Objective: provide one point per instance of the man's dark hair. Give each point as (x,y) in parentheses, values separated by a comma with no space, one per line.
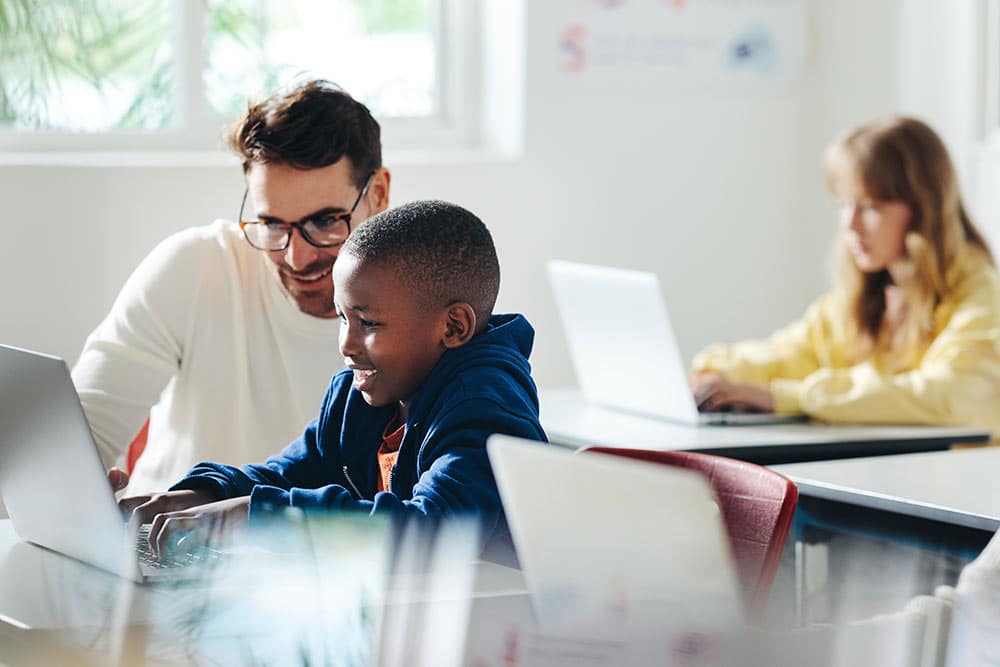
(442,252)
(311,126)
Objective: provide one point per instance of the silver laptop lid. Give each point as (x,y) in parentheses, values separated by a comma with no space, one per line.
(51,477)
(617,532)
(621,341)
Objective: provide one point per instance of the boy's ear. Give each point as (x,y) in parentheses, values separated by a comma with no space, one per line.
(460,325)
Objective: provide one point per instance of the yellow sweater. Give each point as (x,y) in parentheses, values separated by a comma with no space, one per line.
(955,380)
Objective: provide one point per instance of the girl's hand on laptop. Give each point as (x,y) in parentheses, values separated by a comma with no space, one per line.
(204,525)
(713,392)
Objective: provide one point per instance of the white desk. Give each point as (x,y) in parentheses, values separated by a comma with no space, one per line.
(959,488)
(570,420)
(938,506)
(55,610)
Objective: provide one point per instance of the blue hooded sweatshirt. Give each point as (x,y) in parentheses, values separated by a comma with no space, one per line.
(442,470)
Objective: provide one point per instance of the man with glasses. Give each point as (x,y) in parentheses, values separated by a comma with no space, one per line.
(225,336)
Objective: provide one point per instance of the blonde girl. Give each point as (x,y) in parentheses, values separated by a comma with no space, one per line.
(910,331)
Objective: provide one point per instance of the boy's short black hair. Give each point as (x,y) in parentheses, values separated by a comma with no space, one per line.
(310,126)
(442,251)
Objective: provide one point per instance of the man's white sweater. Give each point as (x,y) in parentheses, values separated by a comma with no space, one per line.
(204,342)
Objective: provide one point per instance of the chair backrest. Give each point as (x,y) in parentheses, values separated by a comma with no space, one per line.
(757,505)
(136,447)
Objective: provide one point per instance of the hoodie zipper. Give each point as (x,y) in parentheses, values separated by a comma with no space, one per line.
(392,479)
(353,485)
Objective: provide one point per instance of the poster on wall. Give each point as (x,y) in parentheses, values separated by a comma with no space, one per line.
(710,45)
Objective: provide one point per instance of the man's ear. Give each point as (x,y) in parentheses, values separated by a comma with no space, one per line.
(460,325)
(378,191)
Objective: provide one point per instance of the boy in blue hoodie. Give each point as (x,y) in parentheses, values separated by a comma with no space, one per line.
(402,430)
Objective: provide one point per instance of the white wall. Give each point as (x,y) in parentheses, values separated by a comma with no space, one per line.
(721,195)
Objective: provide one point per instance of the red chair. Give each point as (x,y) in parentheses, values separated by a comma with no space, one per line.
(757,505)
(136,447)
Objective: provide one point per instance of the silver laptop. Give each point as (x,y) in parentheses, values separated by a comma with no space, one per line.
(623,346)
(621,546)
(51,476)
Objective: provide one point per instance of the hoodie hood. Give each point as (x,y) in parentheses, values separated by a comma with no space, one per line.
(504,345)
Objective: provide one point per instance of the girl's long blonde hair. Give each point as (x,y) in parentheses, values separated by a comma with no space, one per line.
(902,159)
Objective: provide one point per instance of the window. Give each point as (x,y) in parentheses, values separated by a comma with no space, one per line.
(156,74)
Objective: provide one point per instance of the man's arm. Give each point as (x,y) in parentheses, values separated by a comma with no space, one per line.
(132,355)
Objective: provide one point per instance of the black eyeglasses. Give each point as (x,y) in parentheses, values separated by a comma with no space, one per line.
(324,230)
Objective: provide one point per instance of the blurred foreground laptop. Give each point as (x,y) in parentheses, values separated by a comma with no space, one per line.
(623,549)
(51,476)
(628,359)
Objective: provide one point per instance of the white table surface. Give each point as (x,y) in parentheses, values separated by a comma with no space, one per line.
(55,610)
(40,589)
(956,487)
(570,420)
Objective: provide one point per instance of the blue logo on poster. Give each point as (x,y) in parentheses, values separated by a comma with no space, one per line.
(754,49)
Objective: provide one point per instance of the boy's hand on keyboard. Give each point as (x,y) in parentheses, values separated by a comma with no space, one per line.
(204,525)
(713,392)
(142,509)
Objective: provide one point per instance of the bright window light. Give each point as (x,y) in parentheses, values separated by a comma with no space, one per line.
(87,66)
(383,51)
(170,74)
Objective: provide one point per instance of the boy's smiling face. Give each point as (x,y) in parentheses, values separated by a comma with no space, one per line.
(388,338)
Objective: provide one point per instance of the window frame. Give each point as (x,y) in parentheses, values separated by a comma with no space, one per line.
(200,131)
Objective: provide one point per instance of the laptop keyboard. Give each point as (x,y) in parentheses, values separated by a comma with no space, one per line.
(185,559)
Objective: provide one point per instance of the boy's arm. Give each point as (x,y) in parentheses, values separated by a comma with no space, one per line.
(301,463)
(289,469)
(456,478)
(213,494)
